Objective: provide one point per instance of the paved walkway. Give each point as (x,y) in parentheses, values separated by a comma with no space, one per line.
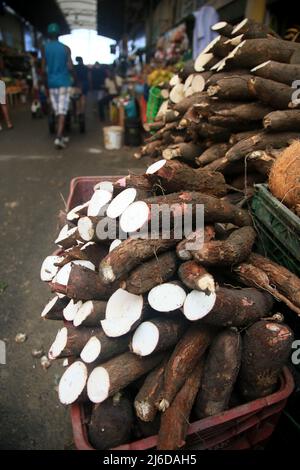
(34,180)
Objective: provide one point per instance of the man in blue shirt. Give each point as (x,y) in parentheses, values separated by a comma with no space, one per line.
(57,64)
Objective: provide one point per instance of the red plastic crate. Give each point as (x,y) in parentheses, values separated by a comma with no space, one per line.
(241,427)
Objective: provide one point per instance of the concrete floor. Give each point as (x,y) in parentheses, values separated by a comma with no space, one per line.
(34,181)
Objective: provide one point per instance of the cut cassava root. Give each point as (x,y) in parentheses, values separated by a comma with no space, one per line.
(112,376)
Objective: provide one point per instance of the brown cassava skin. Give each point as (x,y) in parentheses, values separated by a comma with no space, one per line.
(215,209)
(258,141)
(184,249)
(284,73)
(253,276)
(254,29)
(174,176)
(129,254)
(128,367)
(212,131)
(286,282)
(282,121)
(193,275)
(212,153)
(246,111)
(232,88)
(151,273)
(239,307)
(175,421)
(84,284)
(56,312)
(187,151)
(78,337)
(235,138)
(147,397)
(186,103)
(266,348)
(170,331)
(255,51)
(111,423)
(69,241)
(220,373)
(220,49)
(97,314)
(184,358)
(270,92)
(235,249)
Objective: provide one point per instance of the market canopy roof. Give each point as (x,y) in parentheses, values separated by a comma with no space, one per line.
(40,14)
(79,13)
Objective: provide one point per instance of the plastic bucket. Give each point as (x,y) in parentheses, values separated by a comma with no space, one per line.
(113,137)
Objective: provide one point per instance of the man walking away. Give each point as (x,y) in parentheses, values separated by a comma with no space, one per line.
(58,65)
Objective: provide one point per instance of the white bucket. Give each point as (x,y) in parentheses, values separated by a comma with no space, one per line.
(113,137)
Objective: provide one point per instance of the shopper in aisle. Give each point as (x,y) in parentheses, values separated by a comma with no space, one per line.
(82,84)
(113,85)
(98,76)
(58,68)
(4,106)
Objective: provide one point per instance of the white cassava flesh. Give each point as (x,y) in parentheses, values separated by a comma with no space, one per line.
(106,185)
(98,201)
(220,25)
(198,84)
(177,93)
(235,41)
(61,296)
(84,247)
(83,312)
(48,269)
(209,46)
(62,277)
(73,214)
(166,297)
(260,66)
(86,228)
(64,234)
(72,383)
(123,310)
(134,217)
(155,167)
(49,306)
(71,309)
(198,304)
(114,244)
(163,109)
(145,339)
(98,385)
(239,26)
(189,92)
(201,61)
(59,343)
(175,80)
(188,82)
(91,350)
(121,202)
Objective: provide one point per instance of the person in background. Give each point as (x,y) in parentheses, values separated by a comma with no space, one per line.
(3,104)
(113,85)
(82,83)
(98,75)
(58,67)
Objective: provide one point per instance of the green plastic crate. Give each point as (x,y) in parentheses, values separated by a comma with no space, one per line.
(154,102)
(278,229)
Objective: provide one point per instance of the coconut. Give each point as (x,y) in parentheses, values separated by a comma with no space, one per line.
(284,179)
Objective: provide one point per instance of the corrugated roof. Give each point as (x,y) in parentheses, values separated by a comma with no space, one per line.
(79,13)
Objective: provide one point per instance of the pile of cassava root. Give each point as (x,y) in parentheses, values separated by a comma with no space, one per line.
(157,334)
(233,110)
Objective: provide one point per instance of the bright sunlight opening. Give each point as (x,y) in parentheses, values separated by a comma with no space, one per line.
(91,47)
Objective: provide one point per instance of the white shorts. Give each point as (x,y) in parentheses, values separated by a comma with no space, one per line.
(2,92)
(60,99)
